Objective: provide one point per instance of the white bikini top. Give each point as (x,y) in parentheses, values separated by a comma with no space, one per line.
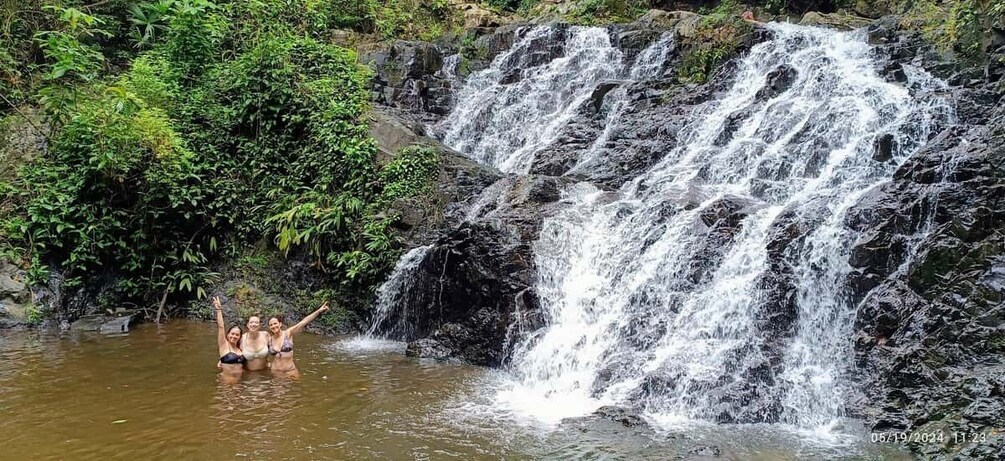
(259,354)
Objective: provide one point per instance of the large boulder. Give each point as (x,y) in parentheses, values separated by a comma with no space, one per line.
(472,284)
(477,16)
(15,296)
(834,21)
(407,76)
(473,291)
(458,180)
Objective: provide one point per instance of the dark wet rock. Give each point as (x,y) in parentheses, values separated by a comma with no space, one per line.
(929,277)
(632,39)
(740,398)
(511,77)
(422,219)
(428,348)
(12,283)
(705,451)
(894,72)
(883,148)
(15,296)
(600,92)
(261,281)
(646,132)
(407,76)
(626,416)
(733,123)
(779,80)
(872,8)
(471,286)
(105,324)
(489,44)
(473,292)
(477,16)
(720,222)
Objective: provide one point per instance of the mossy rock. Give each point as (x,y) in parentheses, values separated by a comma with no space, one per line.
(872,8)
(834,21)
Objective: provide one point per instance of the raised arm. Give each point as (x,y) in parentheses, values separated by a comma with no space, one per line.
(310,318)
(221,327)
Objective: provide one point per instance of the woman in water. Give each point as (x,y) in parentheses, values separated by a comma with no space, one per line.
(281,342)
(229,344)
(255,344)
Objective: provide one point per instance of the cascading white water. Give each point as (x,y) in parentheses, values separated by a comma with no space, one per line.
(504,123)
(651,300)
(651,63)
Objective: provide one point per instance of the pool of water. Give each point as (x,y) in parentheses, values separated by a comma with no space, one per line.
(154,394)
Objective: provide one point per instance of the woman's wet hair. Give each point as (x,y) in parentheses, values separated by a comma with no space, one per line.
(277,317)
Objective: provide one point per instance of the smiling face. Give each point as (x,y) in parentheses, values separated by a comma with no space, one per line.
(234,335)
(275,326)
(254,323)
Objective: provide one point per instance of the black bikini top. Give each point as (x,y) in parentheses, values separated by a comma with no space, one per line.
(231,358)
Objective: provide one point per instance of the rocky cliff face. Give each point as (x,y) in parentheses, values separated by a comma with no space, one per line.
(15,296)
(928,272)
(931,323)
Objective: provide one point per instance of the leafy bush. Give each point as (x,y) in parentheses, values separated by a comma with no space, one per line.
(119,192)
(964,26)
(594,12)
(183,129)
(716,40)
(699,64)
(409,174)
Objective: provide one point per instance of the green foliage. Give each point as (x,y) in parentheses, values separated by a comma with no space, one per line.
(512,5)
(33,315)
(120,191)
(252,261)
(422,19)
(963,26)
(595,12)
(410,173)
(348,231)
(716,40)
(235,122)
(194,35)
(19,22)
(408,19)
(150,20)
(72,59)
(699,64)
(725,14)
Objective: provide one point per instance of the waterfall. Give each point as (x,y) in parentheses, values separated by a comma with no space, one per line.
(391,310)
(711,287)
(506,113)
(651,63)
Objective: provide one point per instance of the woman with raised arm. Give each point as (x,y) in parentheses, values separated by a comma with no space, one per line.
(228,342)
(281,342)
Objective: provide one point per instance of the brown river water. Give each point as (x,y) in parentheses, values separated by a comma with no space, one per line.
(154,394)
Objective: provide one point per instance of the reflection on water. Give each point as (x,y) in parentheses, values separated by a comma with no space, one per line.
(154,394)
